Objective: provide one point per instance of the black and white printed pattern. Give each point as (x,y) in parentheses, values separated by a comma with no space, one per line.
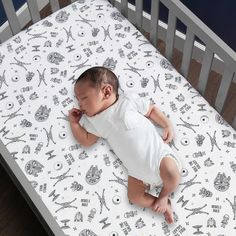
(86,189)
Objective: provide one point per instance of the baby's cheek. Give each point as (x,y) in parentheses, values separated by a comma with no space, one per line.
(94,105)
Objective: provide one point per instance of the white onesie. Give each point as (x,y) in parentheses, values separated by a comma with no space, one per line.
(132,136)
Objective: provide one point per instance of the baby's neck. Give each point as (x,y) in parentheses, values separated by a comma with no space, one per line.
(109,102)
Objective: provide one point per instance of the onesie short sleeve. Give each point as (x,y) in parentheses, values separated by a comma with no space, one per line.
(88,126)
(141,104)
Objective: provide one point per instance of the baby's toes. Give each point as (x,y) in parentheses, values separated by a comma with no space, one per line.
(158,209)
(163,210)
(155,207)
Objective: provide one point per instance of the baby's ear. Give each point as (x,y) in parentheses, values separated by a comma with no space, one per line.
(107,90)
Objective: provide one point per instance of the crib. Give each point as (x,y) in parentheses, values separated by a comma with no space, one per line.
(72,195)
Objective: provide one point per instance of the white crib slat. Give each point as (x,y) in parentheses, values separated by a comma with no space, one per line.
(4,36)
(154,22)
(124,7)
(205,70)
(34,10)
(170,37)
(224,88)
(11,16)
(187,53)
(139,14)
(54,5)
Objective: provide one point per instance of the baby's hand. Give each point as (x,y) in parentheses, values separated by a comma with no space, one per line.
(75,115)
(168,134)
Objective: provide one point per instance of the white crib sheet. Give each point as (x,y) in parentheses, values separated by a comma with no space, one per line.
(86,189)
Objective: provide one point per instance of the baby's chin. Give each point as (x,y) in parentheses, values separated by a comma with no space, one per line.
(89,114)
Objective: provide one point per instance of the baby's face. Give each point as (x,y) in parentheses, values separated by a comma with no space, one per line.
(90,99)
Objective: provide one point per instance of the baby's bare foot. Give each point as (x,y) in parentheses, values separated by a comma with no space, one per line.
(169,213)
(160,205)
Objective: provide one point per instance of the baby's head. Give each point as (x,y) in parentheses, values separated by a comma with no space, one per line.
(95,89)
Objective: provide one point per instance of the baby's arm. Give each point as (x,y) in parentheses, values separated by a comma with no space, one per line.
(159,117)
(85,138)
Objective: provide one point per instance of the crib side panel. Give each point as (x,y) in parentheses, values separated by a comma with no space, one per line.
(54,5)
(213,49)
(154,21)
(213,46)
(124,7)
(227,78)
(34,10)
(29,12)
(195,27)
(139,14)
(187,53)
(11,16)
(205,70)
(170,36)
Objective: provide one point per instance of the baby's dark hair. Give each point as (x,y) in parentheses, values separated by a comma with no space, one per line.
(99,75)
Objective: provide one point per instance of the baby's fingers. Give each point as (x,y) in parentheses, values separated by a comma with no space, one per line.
(169,138)
(75,112)
(165,135)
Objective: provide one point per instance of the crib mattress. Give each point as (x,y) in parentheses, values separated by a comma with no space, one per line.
(83,191)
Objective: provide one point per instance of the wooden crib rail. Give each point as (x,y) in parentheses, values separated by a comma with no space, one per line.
(11,16)
(33,10)
(214,46)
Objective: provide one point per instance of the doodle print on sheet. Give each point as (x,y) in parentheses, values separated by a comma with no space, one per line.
(86,189)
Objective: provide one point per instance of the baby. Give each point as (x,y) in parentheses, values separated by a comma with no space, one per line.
(124,120)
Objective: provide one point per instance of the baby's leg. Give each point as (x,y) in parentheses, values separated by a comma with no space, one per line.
(170,176)
(137,194)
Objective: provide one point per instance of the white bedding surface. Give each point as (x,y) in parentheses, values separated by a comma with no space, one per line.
(86,189)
